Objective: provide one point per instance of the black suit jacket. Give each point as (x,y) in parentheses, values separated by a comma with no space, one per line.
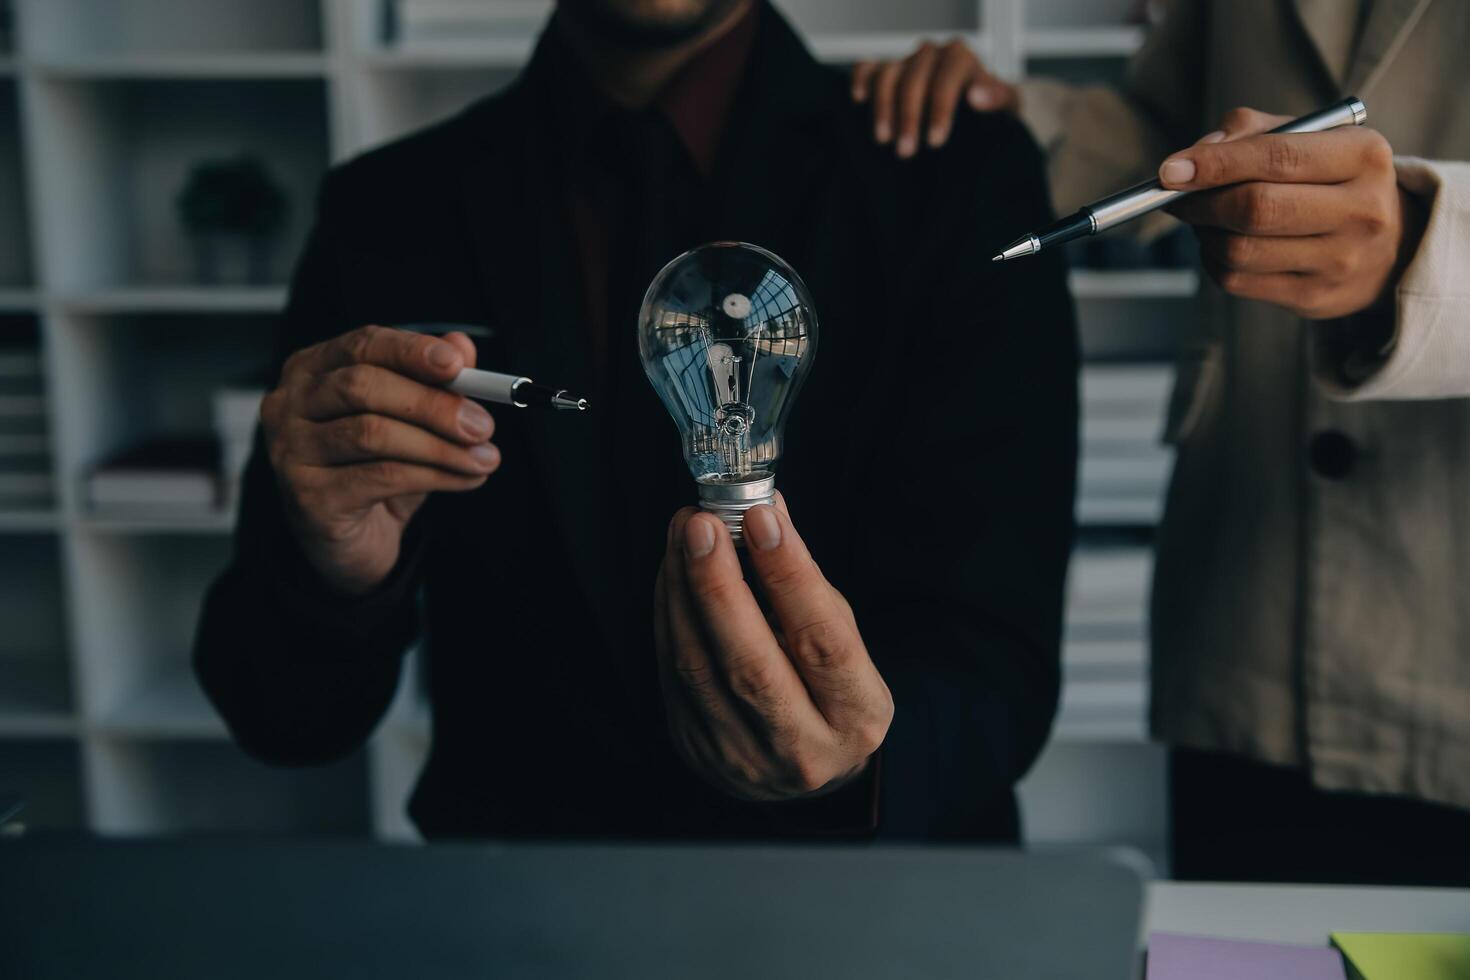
(929,466)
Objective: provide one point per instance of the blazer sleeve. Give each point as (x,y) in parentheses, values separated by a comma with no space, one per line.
(1425,352)
(963,563)
(301,674)
(1099,139)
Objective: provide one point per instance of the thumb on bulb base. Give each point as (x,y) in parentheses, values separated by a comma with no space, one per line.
(730,501)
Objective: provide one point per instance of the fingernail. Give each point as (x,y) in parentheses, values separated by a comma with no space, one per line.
(474,420)
(486,454)
(442,356)
(881,132)
(699,540)
(1177,171)
(936,136)
(761,527)
(906,146)
(980,97)
(1214,137)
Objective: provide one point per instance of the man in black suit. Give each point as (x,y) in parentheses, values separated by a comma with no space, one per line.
(594,669)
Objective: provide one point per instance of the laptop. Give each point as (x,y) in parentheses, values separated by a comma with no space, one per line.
(261,909)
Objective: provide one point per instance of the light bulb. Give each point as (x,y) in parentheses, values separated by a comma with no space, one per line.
(727,334)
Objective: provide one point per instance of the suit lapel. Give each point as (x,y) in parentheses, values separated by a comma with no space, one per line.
(1331,31)
(1388,26)
(774,152)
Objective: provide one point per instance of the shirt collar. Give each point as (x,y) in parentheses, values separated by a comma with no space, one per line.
(697,100)
(695,103)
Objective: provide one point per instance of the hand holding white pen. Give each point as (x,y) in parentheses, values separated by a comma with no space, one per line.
(359,430)
(513,389)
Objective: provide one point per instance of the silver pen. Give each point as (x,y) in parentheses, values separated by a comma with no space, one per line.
(1140,199)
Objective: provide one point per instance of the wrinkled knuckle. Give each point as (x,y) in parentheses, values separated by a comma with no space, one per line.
(1259,208)
(868,737)
(806,773)
(710,589)
(753,684)
(1374,221)
(272,410)
(1232,281)
(354,384)
(694,674)
(1238,118)
(1237,251)
(1312,298)
(785,579)
(1377,151)
(368,433)
(294,363)
(817,643)
(1340,263)
(1283,157)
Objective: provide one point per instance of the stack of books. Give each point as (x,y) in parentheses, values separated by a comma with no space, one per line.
(1105,646)
(25,454)
(165,476)
(461,23)
(1125,465)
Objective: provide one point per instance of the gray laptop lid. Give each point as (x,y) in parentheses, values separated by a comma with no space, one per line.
(287,909)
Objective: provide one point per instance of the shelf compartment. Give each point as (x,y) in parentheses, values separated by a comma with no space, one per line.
(148,786)
(139,598)
(72,29)
(168,705)
(47,773)
(35,682)
(114,154)
(130,377)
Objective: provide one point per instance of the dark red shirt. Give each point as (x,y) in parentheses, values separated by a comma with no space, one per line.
(606,148)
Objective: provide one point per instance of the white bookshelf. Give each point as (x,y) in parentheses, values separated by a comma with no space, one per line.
(103,108)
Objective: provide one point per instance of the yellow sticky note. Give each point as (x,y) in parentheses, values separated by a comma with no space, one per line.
(1405,955)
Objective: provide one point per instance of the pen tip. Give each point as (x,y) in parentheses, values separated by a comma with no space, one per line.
(998,258)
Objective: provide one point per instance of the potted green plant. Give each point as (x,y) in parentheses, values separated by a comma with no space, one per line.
(233,210)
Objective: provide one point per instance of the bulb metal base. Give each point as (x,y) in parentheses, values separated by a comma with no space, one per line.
(730,501)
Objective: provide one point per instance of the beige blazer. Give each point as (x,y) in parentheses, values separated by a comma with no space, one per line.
(1311,603)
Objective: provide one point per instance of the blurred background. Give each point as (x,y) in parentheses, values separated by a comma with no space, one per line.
(158,162)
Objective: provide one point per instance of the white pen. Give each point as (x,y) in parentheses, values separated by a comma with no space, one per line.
(512,389)
(491,386)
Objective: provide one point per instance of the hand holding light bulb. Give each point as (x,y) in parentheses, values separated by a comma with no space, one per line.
(765,711)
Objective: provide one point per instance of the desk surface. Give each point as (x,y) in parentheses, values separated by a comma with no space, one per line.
(1301,913)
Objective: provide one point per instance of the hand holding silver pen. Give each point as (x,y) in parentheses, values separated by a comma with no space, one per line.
(1309,218)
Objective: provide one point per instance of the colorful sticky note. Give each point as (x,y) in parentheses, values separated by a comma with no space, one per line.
(1403,955)
(1175,957)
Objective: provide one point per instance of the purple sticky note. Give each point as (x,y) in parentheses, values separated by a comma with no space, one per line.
(1175,957)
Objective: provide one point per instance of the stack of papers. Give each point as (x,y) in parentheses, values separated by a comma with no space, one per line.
(1403,955)
(25,454)
(1104,652)
(1175,957)
(1124,467)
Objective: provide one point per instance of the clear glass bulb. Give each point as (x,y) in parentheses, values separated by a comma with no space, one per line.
(727,334)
